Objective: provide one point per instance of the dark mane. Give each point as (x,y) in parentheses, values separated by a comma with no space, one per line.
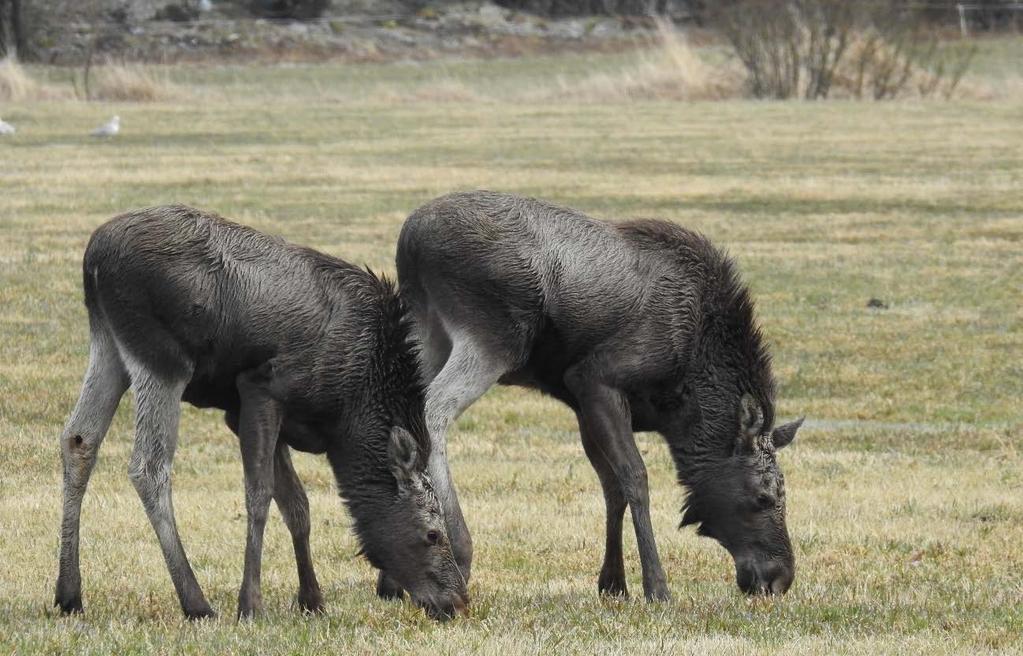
(729,332)
(739,331)
(398,359)
(387,354)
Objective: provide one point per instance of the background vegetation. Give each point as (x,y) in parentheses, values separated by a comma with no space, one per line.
(905,489)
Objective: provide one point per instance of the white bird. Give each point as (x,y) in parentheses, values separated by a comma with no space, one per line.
(6,128)
(108,129)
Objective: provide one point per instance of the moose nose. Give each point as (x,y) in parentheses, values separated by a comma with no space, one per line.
(461,606)
(457,606)
(770,577)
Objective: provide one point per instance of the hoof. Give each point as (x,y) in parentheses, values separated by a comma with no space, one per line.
(249,613)
(658,594)
(613,589)
(612,586)
(310,604)
(70,605)
(200,614)
(250,604)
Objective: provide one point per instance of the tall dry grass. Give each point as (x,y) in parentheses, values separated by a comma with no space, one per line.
(16,85)
(130,83)
(672,70)
(113,82)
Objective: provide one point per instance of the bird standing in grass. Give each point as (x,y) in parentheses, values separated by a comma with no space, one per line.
(108,129)
(6,128)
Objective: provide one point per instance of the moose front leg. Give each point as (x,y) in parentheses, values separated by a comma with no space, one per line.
(294,506)
(605,420)
(259,424)
(612,573)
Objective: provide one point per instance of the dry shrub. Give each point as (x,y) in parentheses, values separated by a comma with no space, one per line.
(17,86)
(878,49)
(885,66)
(673,70)
(129,83)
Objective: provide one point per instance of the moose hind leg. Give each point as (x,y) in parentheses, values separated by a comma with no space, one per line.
(157,411)
(104,385)
(294,506)
(468,373)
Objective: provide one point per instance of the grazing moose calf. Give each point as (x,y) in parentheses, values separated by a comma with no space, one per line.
(641,325)
(300,350)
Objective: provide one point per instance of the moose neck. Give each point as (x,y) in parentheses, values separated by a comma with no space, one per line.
(387,393)
(359,458)
(700,438)
(705,430)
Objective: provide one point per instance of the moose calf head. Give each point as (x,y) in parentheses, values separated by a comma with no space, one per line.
(405,537)
(740,502)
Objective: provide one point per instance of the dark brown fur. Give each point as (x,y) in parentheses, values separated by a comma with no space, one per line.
(642,325)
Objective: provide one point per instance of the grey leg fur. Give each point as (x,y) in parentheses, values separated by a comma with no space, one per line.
(294,506)
(104,385)
(157,410)
(258,427)
(468,373)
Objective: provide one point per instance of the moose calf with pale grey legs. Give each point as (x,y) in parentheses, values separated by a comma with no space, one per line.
(641,325)
(300,350)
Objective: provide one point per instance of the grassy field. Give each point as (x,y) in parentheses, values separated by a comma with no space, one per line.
(905,490)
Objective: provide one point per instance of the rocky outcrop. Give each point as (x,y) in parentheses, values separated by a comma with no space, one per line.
(147,30)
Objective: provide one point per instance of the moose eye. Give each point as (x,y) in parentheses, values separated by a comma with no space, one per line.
(432,537)
(765,501)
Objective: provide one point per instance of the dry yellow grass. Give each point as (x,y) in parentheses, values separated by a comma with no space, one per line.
(131,83)
(671,70)
(439,90)
(107,82)
(905,490)
(16,85)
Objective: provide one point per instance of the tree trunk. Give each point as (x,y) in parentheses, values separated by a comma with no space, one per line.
(3,28)
(20,40)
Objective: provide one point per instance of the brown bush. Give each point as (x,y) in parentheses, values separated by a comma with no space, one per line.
(880,48)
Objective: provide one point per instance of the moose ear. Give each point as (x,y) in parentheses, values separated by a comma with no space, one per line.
(751,420)
(783,435)
(402,454)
